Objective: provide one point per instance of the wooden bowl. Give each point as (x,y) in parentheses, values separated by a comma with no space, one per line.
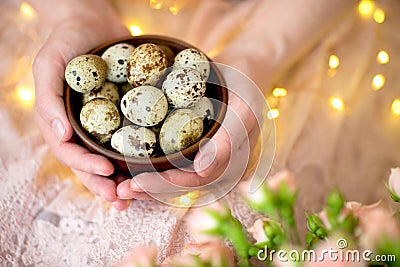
(216,89)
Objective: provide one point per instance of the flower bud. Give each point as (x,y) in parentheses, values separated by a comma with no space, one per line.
(394,184)
(267,231)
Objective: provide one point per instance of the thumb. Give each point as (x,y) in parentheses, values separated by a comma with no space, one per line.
(48,70)
(215,154)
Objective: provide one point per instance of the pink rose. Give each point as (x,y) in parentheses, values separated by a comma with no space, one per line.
(394,182)
(375,222)
(199,221)
(272,183)
(257,230)
(283,176)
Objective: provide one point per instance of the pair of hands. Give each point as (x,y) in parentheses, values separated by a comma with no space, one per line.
(75,35)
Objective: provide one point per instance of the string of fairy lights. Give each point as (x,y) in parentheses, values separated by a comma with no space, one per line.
(366,8)
(369,10)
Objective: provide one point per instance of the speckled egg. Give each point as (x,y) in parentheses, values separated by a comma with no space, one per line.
(184,87)
(86,73)
(100,118)
(144,105)
(134,141)
(108,91)
(146,65)
(182,128)
(204,107)
(195,59)
(116,57)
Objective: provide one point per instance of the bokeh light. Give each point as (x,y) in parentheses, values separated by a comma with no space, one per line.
(334,62)
(25,94)
(135,30)
(379,15)
(337,103)
(279,92)
(174,10)
(378,81)
(27,11)
(382,57)
(155,4)
(396,107)
(366,8)
(273,113)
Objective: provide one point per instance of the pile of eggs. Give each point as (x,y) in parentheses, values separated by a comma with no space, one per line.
(143,101)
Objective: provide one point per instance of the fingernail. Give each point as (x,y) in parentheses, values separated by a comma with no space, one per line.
(134,186)
(58,128)
(101,172)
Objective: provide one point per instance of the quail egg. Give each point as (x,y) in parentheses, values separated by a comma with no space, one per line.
(86,73)
(193,58)
(144,105)
(182,128)
(204,107)
(116,57)
(146,65)
(184,87)
(108,90)
(134,141)
(100,118)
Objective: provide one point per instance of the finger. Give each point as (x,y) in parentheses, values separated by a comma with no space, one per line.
(214,156)
(142,196)
(74,155)
(48,69)
(168,181)
(121,204)
(124,190)
(98,185)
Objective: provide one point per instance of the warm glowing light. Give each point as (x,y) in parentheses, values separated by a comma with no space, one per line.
(27,10)
(379,15)
(382,57)
(273,113)
(378,81)
(188,199)
(155,4)
(279,92)
(396,107)
(135,30)
(174,10)
(333,61)
(366,7)
(25,94)
(337,103)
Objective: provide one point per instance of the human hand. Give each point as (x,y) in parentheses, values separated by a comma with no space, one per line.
(77,27)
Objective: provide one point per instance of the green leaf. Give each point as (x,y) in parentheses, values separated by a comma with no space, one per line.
(393,195)
(335,202)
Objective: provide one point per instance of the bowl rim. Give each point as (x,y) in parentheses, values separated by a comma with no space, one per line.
(173,157)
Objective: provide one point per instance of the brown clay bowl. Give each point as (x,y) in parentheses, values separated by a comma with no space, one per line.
(216,89)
